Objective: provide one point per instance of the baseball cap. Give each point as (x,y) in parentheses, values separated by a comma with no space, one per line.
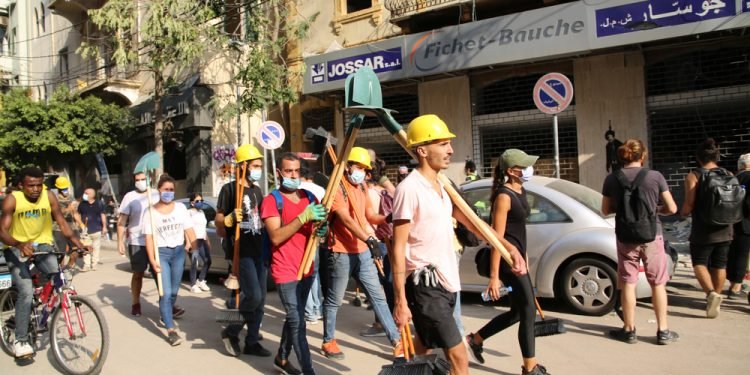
(514,157)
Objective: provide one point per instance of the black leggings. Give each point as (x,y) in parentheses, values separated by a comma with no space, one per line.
(522,309)
(738,255)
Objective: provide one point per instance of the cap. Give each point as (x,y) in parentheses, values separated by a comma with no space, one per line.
(403,169)
(516,158)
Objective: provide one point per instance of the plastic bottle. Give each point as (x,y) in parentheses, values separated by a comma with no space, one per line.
(503,292)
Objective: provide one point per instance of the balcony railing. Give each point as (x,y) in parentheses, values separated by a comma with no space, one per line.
(402,8)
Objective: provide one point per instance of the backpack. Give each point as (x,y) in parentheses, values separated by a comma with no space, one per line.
(719,197)
(635,220)
(280,201)
(266,245)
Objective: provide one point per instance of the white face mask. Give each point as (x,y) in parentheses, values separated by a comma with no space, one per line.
(357,177)
(527,173)
(85,197)
(141,185)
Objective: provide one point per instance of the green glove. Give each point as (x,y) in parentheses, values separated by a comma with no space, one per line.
(322,230)
(313,212)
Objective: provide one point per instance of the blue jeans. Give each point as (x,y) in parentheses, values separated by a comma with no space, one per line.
(252,280)
(294,334)
(21,277)
(361,267)
(312,305)
(201,254)
(172,262)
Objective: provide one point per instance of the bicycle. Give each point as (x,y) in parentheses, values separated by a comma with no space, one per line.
(78,332)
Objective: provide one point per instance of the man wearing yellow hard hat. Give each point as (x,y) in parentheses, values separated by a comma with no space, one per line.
(424,264)
(252,271)
(68,207)
(354,253)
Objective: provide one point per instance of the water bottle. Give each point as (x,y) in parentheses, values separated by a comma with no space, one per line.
(503,292)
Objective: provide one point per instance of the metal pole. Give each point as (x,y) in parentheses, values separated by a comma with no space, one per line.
(273,161)
(557,148)
(239,118)
(265,171)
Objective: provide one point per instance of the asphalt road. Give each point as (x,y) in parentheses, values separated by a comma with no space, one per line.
(719,346)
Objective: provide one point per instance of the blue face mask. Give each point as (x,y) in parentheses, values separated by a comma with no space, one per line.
(198,205)
(291,184)
(256,174)
(357,177)
(167,196)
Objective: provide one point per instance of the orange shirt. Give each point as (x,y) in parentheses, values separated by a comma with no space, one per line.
(356,204)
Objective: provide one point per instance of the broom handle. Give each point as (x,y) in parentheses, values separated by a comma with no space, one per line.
(409,339)
(405,343)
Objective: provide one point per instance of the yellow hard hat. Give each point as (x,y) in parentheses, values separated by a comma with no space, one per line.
(62,183)
(426,128)
(361,156)
(247,152)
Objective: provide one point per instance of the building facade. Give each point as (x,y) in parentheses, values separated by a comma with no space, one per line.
(669,73)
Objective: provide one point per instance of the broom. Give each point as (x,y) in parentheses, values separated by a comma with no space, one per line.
(545,327)
(415,365)
(233,315)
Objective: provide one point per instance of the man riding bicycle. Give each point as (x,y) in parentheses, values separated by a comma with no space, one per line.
(26,227)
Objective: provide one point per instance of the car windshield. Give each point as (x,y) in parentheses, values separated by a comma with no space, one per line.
(584,195)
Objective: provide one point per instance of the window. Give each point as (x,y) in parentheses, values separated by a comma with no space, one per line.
(543,210)
(357,5)
(347,11)
(12,44)
(43,19)
(64,70)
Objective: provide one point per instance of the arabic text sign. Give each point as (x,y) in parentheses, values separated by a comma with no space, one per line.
(652,14)
(271,135)
(380,61)
(553,93)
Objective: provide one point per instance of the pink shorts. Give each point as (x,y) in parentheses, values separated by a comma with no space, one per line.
(654,259)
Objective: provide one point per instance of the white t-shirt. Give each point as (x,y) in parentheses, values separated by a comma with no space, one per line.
(317,190)
(135,205)
(199,220)
(170,227)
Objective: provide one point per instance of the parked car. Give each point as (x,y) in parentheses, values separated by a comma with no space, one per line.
(571,245)
(219,265)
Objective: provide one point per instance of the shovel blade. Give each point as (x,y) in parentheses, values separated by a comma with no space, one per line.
(363,88)
(147,163)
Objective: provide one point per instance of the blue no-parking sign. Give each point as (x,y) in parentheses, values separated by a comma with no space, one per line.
(553,93)
(271,135)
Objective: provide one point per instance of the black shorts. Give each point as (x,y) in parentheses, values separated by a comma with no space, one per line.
(711,255)
(138,258)
(432,311)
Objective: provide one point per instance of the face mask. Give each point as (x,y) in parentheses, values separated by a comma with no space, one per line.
(141,185)
(198,205)
(527,173)
(255,174)
(85,197)
(167,196)
(290,183)
(357,177)
(64,191)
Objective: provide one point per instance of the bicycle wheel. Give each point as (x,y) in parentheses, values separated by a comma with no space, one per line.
(85,351)
(8,320)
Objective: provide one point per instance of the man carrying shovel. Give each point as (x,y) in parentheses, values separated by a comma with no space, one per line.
(252,271)
(424,264)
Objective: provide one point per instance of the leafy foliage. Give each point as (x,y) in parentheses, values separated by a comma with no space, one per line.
(36,133)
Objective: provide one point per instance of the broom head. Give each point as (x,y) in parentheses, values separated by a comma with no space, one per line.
(230,316)
(548,327)
(420,365)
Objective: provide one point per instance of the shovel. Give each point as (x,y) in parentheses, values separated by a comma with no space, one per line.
(148,164)
(232,283)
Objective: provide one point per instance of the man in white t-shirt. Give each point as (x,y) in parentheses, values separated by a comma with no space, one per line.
(130,225)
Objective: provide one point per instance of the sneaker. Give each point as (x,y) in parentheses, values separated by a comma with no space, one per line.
(83,270)
(713,304)
(331,350)
(398,349)
(732,295)
(666,336)
(475,349)
(22,349)
(136,310)
(311,321)
(256,350)
(374,330)
(196,288)
(286,368)
(174,339)
(623,335)
(537,370)
(231,343)
(204,287)
(177,311)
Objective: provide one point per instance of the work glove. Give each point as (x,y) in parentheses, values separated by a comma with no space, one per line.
(313,212)
(372,244)
(234,217)
(322,230)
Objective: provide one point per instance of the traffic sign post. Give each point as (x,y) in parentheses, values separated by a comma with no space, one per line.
(552,95)
(271,136)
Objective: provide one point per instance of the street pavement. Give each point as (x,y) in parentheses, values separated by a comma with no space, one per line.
(718,346)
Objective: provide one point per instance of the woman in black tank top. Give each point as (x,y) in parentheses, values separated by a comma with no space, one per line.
(509,212)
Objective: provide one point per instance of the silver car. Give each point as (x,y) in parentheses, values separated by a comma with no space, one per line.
(571,246)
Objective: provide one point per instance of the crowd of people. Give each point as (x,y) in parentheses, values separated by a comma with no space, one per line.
(397,241)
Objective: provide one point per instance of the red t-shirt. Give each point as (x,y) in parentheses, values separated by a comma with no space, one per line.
(287,257)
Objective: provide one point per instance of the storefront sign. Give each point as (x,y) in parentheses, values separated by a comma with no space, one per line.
(651,14)
(381,61)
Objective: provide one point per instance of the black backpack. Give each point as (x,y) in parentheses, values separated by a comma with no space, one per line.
(719,197)
(635,220)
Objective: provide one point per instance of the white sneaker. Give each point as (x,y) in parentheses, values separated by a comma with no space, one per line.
(713,304)
(22,349)
(203,286)
(196,288)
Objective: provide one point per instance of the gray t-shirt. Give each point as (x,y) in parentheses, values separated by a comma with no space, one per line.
(653,185)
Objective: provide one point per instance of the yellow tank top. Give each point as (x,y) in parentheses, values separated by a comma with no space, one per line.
(32,221)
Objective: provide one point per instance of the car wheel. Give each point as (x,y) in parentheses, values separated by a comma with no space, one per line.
(589,286)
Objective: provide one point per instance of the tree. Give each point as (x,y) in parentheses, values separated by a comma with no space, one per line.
(169,37)
(37,133)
